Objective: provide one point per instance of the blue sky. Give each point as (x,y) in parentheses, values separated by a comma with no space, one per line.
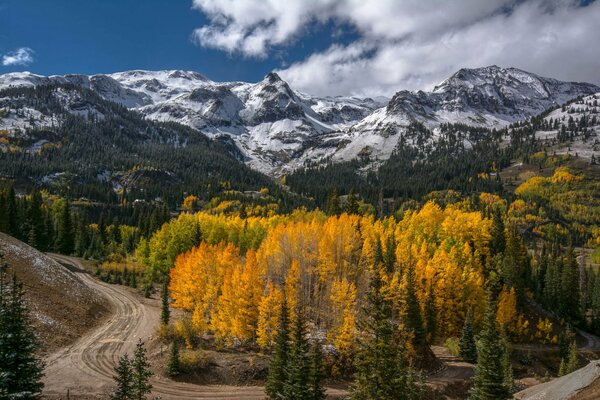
(103,36)
(324,47)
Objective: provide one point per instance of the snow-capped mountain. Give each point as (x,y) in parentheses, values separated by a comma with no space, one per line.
(278,129)
(490,97)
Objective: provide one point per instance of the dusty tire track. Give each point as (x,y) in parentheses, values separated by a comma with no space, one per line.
(85,369)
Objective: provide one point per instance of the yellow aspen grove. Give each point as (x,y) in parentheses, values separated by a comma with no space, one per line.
(292,289)
(343,331)
(324,264)
(268,316)
(507,308)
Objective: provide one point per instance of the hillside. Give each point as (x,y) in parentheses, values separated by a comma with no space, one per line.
(70,140)
(62,307)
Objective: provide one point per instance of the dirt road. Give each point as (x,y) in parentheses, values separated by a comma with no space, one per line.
(85,369)
(591,344)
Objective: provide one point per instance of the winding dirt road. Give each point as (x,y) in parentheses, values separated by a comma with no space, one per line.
(85,369)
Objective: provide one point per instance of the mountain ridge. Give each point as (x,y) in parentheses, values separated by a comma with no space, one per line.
(278,129)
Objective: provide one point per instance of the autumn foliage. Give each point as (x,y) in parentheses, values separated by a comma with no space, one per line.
(234,281)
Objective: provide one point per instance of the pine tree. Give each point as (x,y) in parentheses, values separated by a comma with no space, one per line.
(123,379)
(352,204)
(140,373)
(174,366)
(498,241)
(296,385)
(414,321)
(467,346)
(36,235)
(20,370)
(573,359)
(380,369)
(489,382)
(274,387)
(315,374)
(64,236)
(562,370)
(430,315)
(333,203)
(509,381)
(12,214)
(165,313)
(569,287)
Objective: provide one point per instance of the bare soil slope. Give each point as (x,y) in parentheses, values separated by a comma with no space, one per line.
(62,306)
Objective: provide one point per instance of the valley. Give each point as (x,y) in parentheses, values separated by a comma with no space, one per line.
(233,240)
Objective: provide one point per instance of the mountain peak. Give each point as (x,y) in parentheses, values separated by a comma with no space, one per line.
(272,77)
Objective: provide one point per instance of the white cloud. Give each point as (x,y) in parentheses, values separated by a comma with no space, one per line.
(21,56)
(411,44)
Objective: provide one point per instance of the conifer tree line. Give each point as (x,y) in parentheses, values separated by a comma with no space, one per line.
(21,371)
(52,223)
(132,376)
(296,367)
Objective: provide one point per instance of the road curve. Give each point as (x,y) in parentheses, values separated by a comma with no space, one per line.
(85,369)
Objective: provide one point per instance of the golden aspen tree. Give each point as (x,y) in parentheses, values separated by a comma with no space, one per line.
(268,316)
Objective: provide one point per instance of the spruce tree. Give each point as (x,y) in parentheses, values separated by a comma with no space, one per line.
(140,373)
(498,242)
(333,203)
(64,235)
(467,348)
(36,235)
(20,370)
(352,206)
(509,381)
(573,359)
(430,315)
(165,313)
(489,382)
(381,372)
(123,379)
(316,375)
(12,214)
(413,319)
(277,377)
(174,366)
(296,385)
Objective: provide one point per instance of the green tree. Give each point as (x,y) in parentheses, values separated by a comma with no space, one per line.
(123,379)
(489,382)
(165,313)
(316,375)
(333,203)
(36,235)
(174,365)
(277,377)
(573,359)
(498,240)
(352,206)
(296,385)
(140,373)
(430,315)
(414,321)
(64,235)
(20,370)
(569,288)
(466,347)
(381,372)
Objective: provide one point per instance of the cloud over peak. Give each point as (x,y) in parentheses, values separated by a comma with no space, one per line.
(410,44)
(21,56)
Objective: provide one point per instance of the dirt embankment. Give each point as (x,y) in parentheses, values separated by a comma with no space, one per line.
(62,307)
